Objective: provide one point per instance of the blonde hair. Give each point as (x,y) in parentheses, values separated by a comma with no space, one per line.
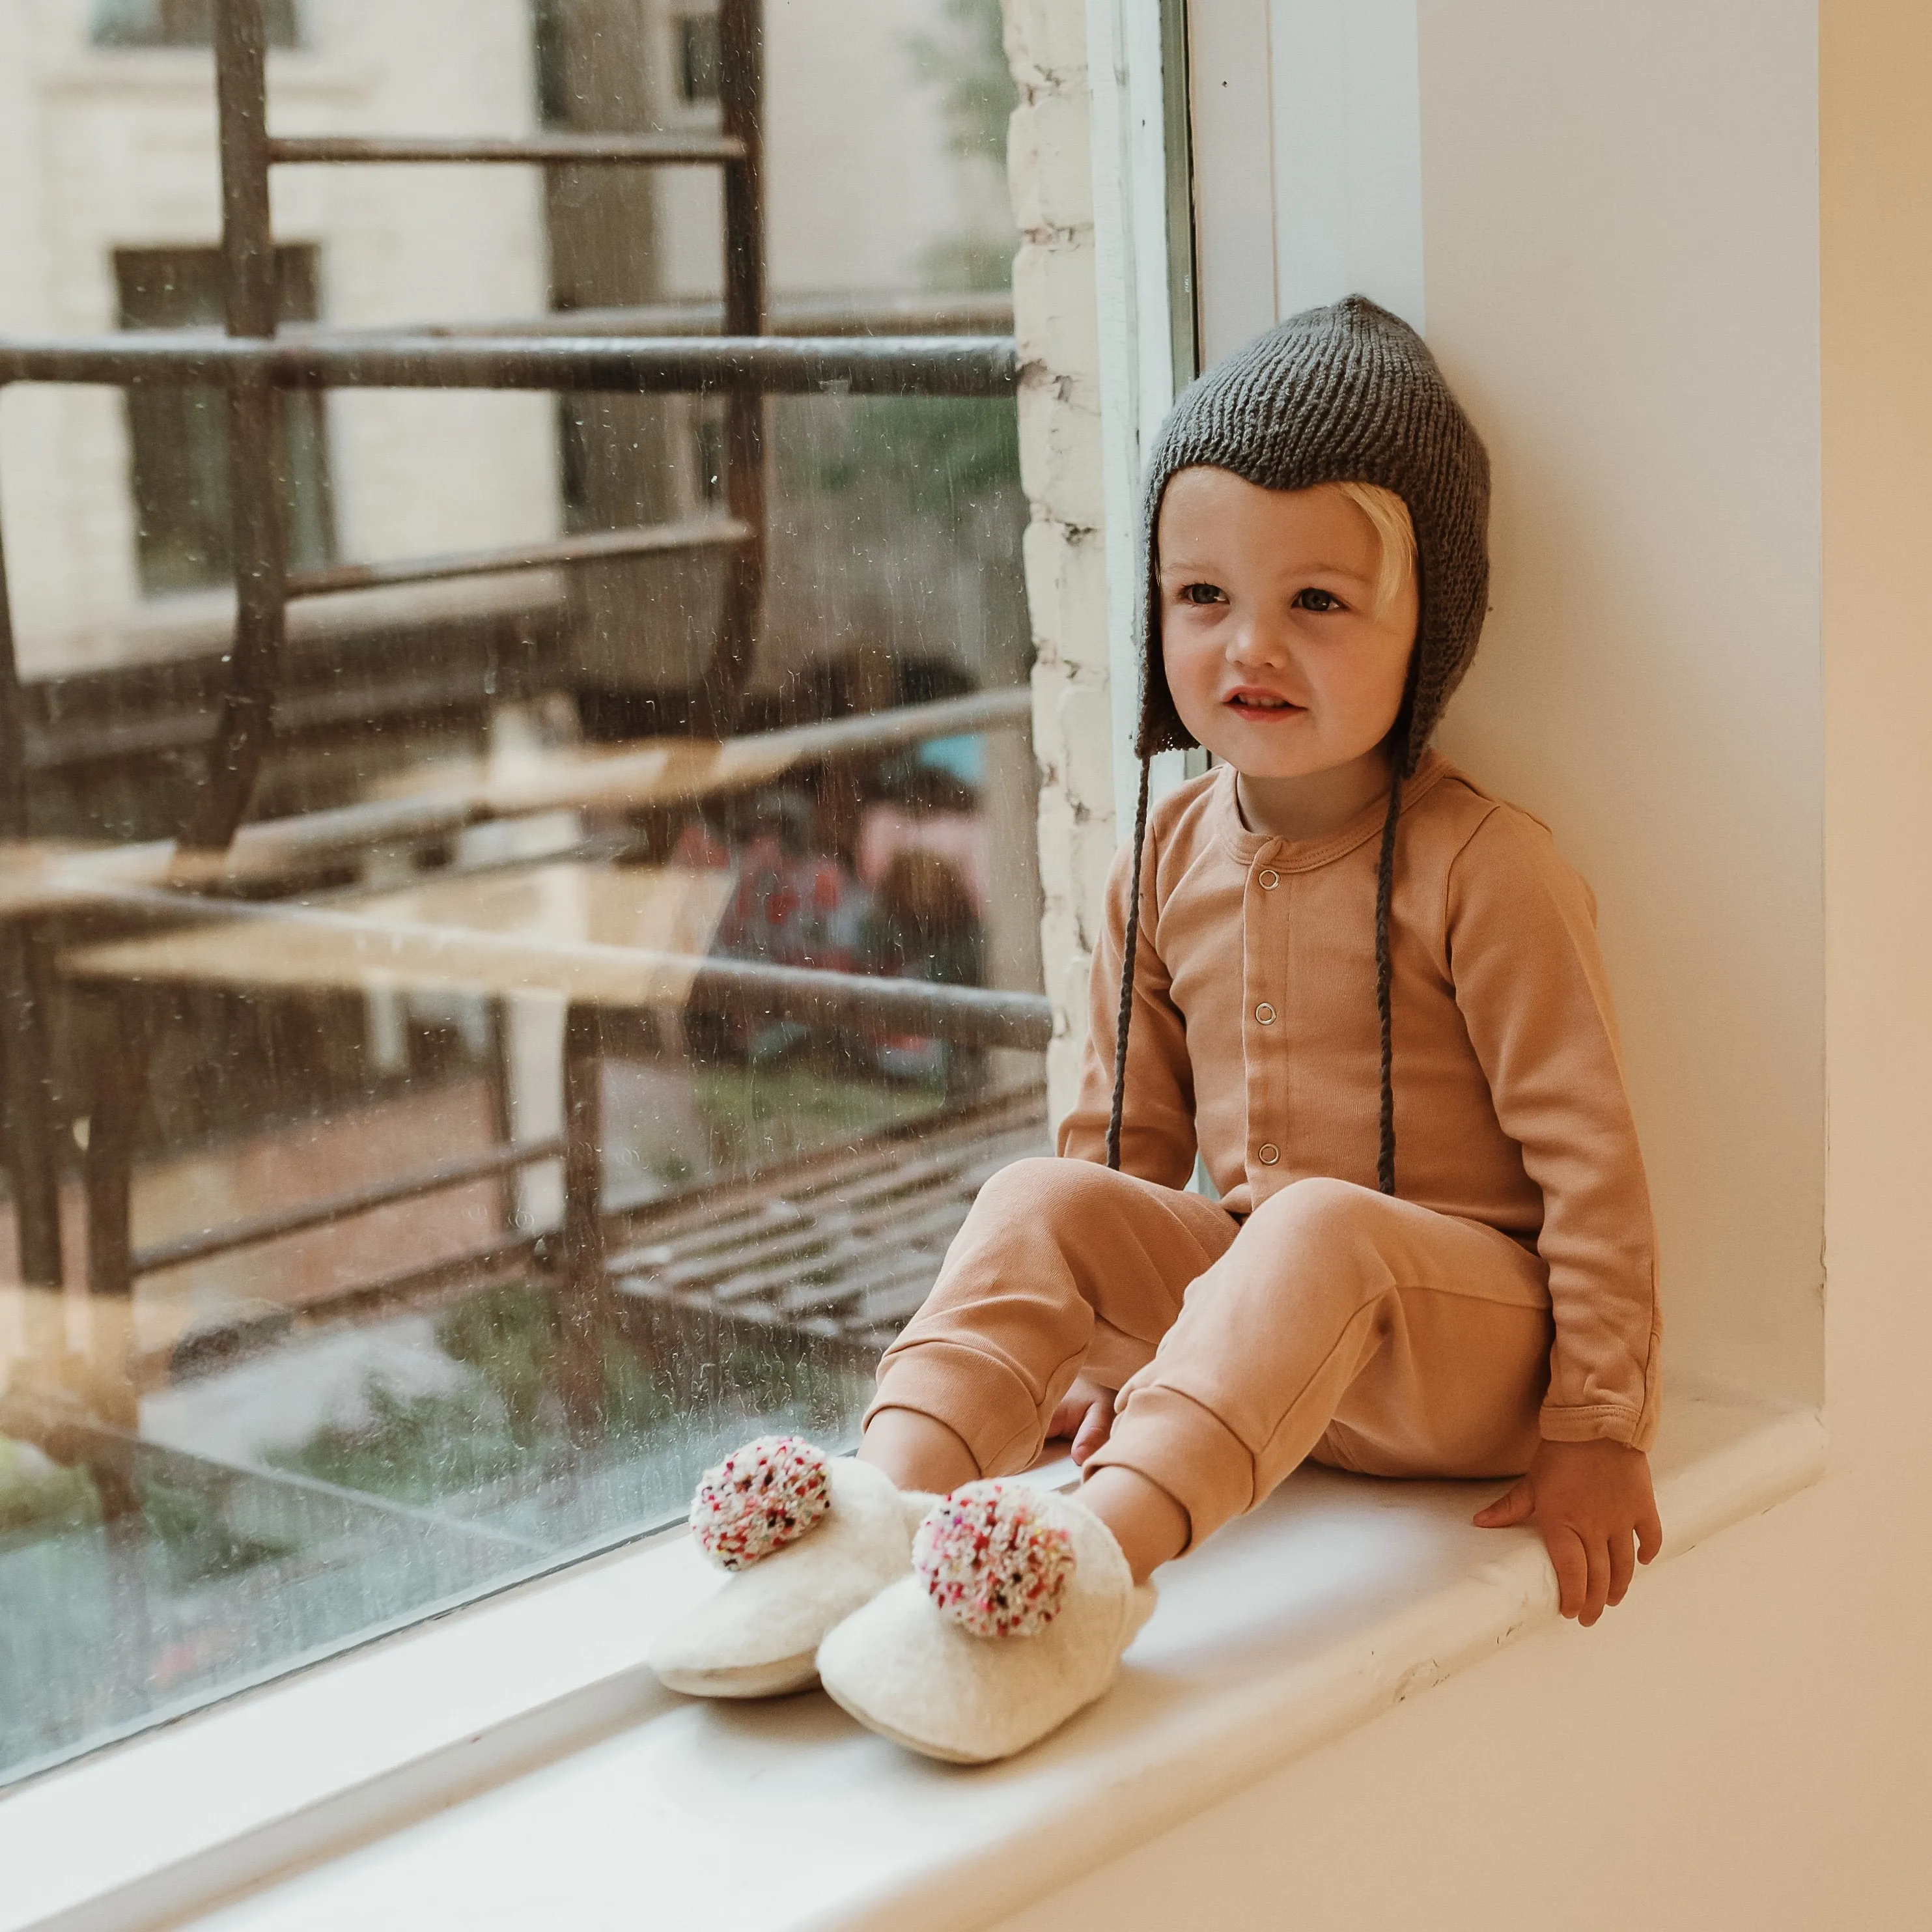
(1395,533)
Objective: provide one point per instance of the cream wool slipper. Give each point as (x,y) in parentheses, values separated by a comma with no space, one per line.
(1015,1618)
(808,1538)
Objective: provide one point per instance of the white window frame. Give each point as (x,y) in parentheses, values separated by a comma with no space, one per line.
(370,1744)
(1145,305)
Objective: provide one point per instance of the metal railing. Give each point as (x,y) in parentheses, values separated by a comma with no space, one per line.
(254,363)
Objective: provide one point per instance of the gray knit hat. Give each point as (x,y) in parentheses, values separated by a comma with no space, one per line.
(1347,393)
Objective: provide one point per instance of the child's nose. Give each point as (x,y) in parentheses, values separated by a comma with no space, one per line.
(1259,641)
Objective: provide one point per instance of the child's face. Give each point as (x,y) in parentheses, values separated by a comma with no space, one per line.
(1278,660)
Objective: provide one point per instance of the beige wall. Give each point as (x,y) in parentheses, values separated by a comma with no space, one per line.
(1744,1744)
(1621,277)
(1616,262)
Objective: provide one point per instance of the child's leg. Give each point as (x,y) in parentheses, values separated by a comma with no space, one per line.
(1382,1335)
(1059,1263)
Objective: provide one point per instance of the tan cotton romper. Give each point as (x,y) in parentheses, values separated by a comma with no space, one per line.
(1508,1291)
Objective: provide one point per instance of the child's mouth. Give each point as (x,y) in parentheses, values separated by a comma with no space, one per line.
(1261,704)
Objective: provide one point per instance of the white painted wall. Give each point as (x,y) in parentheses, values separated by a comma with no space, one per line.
(1307,160)
(1345,80)
(1743,1744)
(1622,280)
(1068,476)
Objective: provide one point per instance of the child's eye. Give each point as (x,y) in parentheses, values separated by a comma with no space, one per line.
(1201,593)
(1314,598)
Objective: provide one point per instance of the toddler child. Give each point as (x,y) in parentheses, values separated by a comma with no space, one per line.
(1431,1254)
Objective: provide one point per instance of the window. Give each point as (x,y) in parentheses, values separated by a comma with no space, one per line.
(708,453)
(699,58)
(180,23)
(178,437)
(422,1261)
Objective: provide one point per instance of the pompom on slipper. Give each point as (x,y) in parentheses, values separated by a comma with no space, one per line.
(991,1561)
(759,1499)
(1016,1614)
(805,1539)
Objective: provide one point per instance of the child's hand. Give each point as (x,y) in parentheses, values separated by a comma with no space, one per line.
(1086,1414)
(1589,1499)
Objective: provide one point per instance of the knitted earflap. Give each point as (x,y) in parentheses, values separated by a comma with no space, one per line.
(1385,969)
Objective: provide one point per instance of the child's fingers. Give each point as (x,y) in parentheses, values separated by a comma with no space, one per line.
(1095,1428)
(1597,1589)
(1623,1565)
(1072,1412)
(1516,1504)
(1649,1534)
(1572,1567)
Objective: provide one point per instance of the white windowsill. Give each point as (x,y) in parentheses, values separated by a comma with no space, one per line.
(514,1764)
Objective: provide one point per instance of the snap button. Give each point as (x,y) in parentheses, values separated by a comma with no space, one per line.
(1265,1013)
(1267,1153)
(1268,881)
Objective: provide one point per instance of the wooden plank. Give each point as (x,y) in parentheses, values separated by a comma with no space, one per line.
(907,1228)
(40,875)
(917,1266)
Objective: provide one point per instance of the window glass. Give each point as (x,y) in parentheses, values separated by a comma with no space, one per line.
(699,58)
(418,1190)
(179,23)
(178,437)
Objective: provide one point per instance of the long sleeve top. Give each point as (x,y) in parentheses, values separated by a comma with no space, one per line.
(1255,1041)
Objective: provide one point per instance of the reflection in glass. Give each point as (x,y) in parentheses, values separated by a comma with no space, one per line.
(178,437)
(438,1186)
(180,23)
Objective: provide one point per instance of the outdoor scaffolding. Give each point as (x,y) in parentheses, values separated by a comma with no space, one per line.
(254,365)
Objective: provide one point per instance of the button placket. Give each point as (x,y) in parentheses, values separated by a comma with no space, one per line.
(1264,910)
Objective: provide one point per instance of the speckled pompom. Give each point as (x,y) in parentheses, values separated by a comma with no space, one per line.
(991,1561)
(759,1499)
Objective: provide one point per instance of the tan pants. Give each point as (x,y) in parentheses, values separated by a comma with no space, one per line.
(1334,1322)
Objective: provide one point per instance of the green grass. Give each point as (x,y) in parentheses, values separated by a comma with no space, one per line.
(39,1496)
(506,1420)
(757,1117)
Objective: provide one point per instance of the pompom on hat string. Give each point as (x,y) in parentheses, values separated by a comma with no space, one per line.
(1346,393)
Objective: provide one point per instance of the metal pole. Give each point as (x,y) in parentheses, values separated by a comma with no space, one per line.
(13,723)
(248,262)
(276,849)
(551,148)
(588,972)
(583,1295)
(117,1090)
(27,1125)
(741,94)
(803,365)
(26,1086)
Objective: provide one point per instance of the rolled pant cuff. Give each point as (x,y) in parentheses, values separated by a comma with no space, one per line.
(1185,1450)
(976,1395)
